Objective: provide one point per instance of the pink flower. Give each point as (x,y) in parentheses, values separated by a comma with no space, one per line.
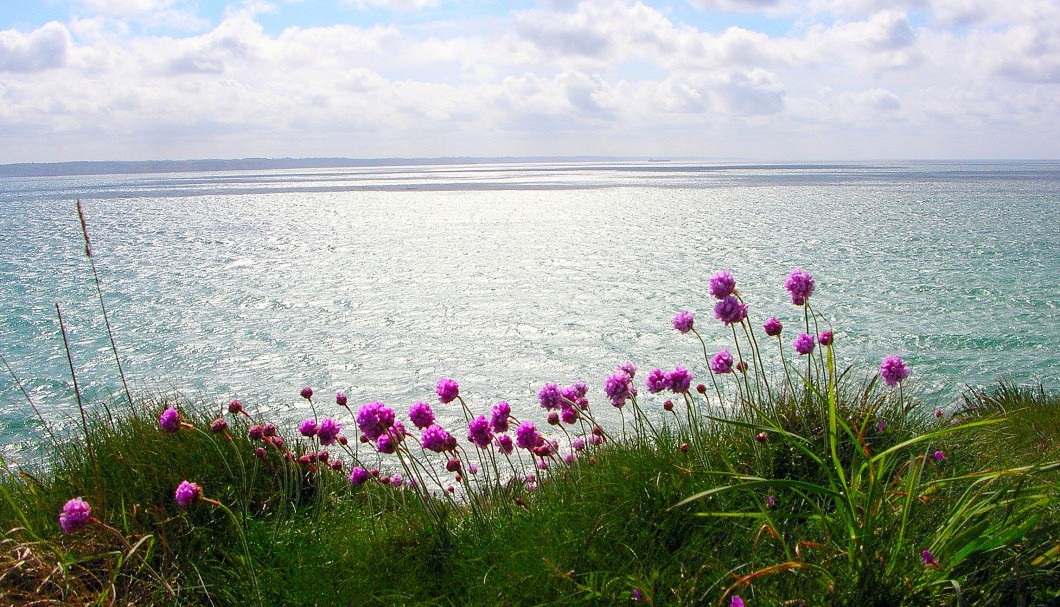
(187,494)
(76,513)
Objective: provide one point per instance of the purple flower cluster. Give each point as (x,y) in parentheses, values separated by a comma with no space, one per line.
(549,396)
(730,311)
(308,428)
(683,321)
(499,416)
(773,327)
(480,432)
(893,370)
(527,436)
(307,393)
(825,338)
(421,415)
(803,343)
(435,438)
(679,380)
(447,390)
(187,494)
(169,421)
(328,431)
(800,285)
(721,362)
(722,284)
(374,419)
(619,386)
(359,476)
(76,513)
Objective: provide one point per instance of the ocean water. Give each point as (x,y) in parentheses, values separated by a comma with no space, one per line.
(377,281)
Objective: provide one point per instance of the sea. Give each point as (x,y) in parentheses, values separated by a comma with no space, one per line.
(376,281)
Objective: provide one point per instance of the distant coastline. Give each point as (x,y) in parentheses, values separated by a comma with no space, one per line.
(132,167)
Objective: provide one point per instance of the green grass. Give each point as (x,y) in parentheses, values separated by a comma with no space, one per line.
(590,534)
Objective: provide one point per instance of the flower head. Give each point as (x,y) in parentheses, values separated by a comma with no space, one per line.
(328,431)
(76,513)
(683,321)
(374,419)
(480,432)
(307,393)
(447,390)
(187,494)
(657,381)
(340,399)
(527,436)
(435,438)
(169,421)
(803,343)
(893,370)
(629,368)
(235,407)
(736,601)
(218,425)
(825,338)
(549,396)
(722,284)
(680,379)
(773,327)
(730,311)
(928,558)
(939,456)
(619,388)
(800,284)
(504,443)
(359,476)
(385,444)
(308,427)
(421,415)
(499,416)
(721,362)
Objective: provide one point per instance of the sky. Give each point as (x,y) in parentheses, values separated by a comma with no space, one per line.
(776,80)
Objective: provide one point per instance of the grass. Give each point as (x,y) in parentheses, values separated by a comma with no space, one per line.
(806,487)
(590,534)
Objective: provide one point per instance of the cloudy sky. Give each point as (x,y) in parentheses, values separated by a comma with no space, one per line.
(725,79)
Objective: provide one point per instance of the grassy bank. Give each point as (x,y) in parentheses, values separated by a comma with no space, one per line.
(773,482)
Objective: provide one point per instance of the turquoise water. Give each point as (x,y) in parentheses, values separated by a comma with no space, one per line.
(377,281)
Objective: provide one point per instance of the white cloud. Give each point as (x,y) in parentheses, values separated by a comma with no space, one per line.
(41,49)
(400,5)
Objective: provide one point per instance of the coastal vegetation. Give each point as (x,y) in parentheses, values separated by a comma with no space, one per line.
(766,473)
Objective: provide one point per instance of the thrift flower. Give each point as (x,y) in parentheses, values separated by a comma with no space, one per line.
(549,396)
(736,601)
(722,284)
(928,558)
(499,416)
(308,428)
(680,379)
(385,444)
(359,476)
(683,321)
(939,456)
(730,311)
(169,421)
(374,419)
(619,387)
(75,515)
(328,431)
(578,444)
(187,494)
(421,415)
(307,393)
(629,368)
(219,425)
(893,370)
(825,338)
(435,438)
(527,436)
(504,443)
(340,399)
(721,362)
(800,285)
(447,390)
(569,415)
(480,432)
(235,407)
(657,381)
(773,327)
(803,343)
